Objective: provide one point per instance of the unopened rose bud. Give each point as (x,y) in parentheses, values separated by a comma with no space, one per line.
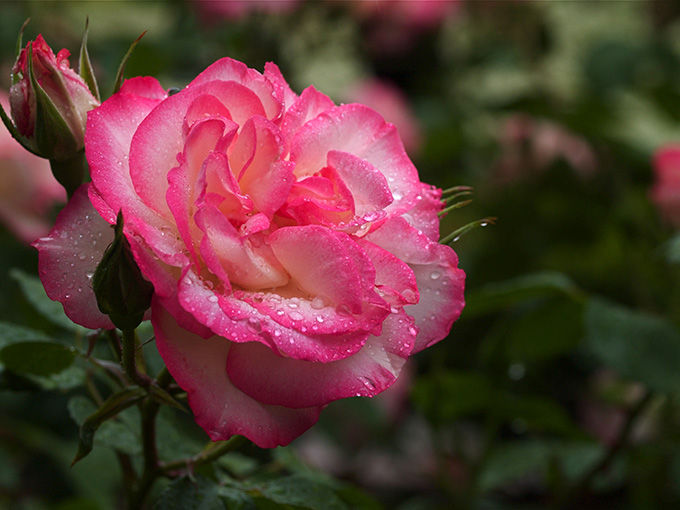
(49,101)
(121,290)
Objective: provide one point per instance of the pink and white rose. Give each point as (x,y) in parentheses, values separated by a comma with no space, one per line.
(292,247)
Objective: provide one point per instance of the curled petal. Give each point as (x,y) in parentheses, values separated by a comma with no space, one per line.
(274,379)
(199,367)
(440,282)
(68,257)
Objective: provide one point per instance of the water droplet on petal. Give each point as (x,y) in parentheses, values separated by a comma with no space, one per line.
(409,295)
(436,274)
(319,302)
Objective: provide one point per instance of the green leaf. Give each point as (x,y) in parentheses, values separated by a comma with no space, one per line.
(13,333)
(121,68)
(512,462)
(300,491)
(448,396)
(175,440)
(499,296)
(33,289)
(235,498)
(637,345)
(184,494)
(86,71)
(37,358)
(538,413)
(111,433)
(546,331)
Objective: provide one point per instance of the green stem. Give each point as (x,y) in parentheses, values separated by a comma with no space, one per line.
(211,452)
(130,364)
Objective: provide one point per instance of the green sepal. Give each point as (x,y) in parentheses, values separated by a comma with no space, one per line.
(85,65)
(53,136)
(456,234)
(122,291)
(20,40)
(121,68)
(114,404)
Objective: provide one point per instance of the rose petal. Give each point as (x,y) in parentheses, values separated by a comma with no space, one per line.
(368,186)
(69,256)
(198,366)
(360,131)
(227,69)
(246,265)
(273,379)
(310,104)
(440,282)
(319,262)
(281,87)
(256,162)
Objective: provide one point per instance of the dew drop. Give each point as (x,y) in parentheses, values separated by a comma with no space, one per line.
(296,316)
(436,274)
(254,324)
(213,298)
(319,319)
(82,256)
(279,312)
(343,309)
(319,302)
(409,295)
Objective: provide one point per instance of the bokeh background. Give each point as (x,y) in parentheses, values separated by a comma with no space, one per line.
(558,387)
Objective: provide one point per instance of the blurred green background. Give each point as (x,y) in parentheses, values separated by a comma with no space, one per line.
(558,387)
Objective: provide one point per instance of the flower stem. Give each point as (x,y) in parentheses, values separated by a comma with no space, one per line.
(212,451)
(130,364)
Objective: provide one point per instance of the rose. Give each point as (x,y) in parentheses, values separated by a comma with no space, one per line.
(53,118)
(665,190)
(290,243)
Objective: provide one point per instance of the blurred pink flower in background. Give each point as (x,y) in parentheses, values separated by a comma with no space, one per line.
(665,190)
(27,188)
(388,100)
(395,25)
(236,9)
(530,145)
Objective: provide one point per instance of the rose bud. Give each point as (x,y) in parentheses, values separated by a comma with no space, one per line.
(49,102)
(121,290)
